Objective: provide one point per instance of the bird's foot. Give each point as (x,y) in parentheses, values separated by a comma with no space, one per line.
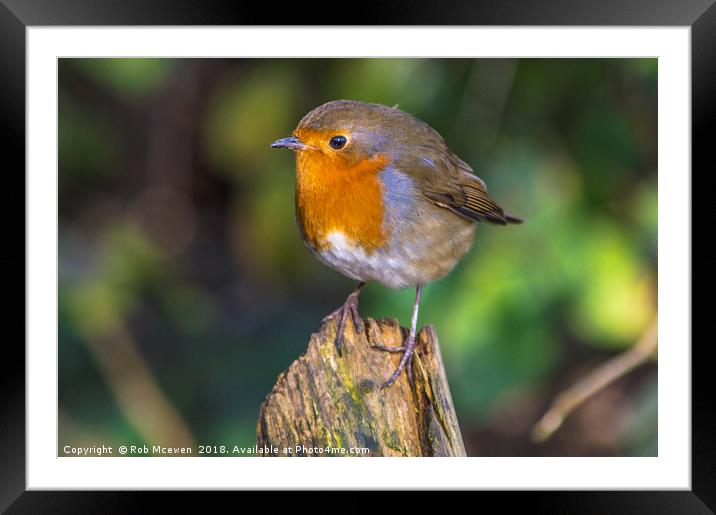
(408,347)
(406,361)
(350,306)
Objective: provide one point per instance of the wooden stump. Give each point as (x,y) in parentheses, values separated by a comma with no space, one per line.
(325,402)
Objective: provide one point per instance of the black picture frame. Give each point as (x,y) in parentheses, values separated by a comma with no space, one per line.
(17,15)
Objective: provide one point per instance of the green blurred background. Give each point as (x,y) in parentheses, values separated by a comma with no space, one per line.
(185,288)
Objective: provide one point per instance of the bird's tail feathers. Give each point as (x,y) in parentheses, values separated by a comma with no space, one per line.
(512,219)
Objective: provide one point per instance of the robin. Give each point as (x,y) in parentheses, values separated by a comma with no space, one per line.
(380,197)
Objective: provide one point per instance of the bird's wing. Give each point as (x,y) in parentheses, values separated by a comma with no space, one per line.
(449,182)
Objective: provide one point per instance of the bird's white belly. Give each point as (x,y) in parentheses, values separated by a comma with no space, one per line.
(352,260)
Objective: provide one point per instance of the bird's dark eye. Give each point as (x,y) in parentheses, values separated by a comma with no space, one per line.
(338,142)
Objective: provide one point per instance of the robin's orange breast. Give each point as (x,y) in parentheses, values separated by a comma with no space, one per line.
(333,198)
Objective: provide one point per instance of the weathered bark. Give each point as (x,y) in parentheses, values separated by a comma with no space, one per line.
(326,400)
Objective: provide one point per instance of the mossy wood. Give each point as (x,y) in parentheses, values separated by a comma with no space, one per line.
(324,400)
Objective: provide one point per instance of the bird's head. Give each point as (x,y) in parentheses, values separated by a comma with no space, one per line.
(345,134)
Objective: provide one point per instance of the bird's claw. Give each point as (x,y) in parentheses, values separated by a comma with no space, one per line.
(349,306)
(406,362)
(357,321)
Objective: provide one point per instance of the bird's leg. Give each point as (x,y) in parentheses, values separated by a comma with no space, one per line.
(408,347)
(349,306)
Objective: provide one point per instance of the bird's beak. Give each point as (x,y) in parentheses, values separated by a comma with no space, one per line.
(291,142)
